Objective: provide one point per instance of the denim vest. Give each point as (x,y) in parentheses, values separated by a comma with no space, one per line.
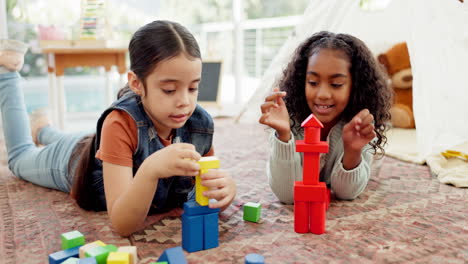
(171,192)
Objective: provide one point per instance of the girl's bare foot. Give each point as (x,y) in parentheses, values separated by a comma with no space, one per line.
(12,54)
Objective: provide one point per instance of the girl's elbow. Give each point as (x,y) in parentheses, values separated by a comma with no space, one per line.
(122,231)
(347,196)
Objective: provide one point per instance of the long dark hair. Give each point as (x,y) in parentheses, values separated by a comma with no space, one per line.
(150,45)
(369,86)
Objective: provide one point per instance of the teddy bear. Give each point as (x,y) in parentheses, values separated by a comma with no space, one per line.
(396,61)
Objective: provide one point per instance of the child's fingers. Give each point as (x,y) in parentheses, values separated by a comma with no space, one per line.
(217,194)
(220,203)
(189,154)
(368,119)
(188,167)
(214,183)
(366,130)
(265,107)
(275,96)
(263,119)
(360,119)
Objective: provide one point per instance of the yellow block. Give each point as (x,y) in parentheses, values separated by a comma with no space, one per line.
(118,258)
(132,251)
(206,163)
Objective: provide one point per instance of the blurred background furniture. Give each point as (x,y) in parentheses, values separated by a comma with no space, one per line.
(60,58)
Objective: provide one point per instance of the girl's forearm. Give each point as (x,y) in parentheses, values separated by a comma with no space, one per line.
(131,208)
(351,159)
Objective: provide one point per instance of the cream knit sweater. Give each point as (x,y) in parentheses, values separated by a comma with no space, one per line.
(285,166)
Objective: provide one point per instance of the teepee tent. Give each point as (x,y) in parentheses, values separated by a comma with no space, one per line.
(436,32)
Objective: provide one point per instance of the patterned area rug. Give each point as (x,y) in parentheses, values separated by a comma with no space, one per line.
(405,215)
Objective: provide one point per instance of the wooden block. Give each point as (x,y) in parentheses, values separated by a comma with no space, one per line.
(254,259)
(118,258)
(193,208)
(311,168)
(71,261)
(301,217)
(173,255)
(320,147)
(89,246)
(210,162)
(206,163)
(252,212)
(72,239)
(317,214)
(192,232)
(111,248)
(132,251)
(199,189)
(61,256)
(99,253)
(210,231)
(87,261)
(310,193)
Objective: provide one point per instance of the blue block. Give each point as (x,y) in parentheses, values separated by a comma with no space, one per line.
(254,259)
(193,208)
(61,256)
(210,231)
(173,256)
(192,232)
(90,260)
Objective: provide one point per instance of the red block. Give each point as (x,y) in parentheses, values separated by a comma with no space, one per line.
(311,135)
(311,169)
(301,217)
(317,213)
(310,193)
(320,147)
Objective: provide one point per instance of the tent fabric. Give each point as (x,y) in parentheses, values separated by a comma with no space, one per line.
(437,36)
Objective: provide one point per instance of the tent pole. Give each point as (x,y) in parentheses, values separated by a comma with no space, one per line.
(238,17)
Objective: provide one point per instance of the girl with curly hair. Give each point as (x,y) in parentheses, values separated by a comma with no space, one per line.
(335,77)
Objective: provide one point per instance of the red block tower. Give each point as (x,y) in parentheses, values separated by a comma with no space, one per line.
(311,197)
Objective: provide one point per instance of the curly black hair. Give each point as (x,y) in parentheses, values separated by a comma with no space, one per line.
(369,82)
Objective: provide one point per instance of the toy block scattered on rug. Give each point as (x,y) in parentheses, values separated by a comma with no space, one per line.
(132,251)
(61,256)
(71,261)
(118,258)
(100,253)
(206,163)
(89,246)
(252,212)
(72,239)
(173,256)
(254,259)
(311,197)
(199,227)
(87,261)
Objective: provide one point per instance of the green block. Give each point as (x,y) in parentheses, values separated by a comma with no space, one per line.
(72,239)
(252,212)
(99,253)
(71,261)
(111,248)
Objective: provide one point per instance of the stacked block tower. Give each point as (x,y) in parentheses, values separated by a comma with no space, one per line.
(199,222)
(311,197)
